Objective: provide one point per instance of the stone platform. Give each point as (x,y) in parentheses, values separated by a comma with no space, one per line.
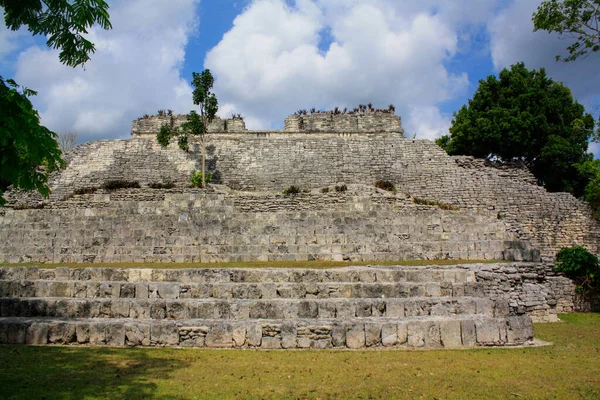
(268,308)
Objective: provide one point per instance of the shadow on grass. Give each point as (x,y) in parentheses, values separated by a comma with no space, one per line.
(81,373)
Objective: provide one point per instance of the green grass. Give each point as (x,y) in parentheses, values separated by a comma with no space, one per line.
(570,369)
(254,264)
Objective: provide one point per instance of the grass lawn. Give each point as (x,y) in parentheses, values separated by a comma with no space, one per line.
(570,369)
(256,264)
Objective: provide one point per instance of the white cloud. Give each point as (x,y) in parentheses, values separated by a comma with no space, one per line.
(513,40)
(270,64)
(135,70)
(9,40)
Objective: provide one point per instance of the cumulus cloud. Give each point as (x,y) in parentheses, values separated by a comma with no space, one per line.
(512,40)
(272,62)
(135,70)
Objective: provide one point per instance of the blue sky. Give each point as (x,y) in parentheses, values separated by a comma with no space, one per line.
(272,57)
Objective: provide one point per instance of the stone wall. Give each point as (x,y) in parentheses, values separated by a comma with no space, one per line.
(329,122)
(151,125)
(157,226)
(271,162)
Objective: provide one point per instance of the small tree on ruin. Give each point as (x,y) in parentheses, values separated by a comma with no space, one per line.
(196,124)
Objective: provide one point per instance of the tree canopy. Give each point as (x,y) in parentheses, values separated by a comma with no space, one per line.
(523,115)
(28,150)
(578,20)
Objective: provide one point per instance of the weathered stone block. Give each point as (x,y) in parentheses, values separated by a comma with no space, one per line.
(355,336)
(220,336)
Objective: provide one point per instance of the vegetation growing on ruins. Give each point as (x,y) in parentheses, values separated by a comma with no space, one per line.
(385,185)
(578,20)
(29,151)
(161,185)
(580,265)
(524,116)
(439,204)
(196,124)
(361,109)
(292,191)
(120,184)
(197,178)
(567,369)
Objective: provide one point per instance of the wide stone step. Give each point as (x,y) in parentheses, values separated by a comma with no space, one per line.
(355,333)
(251,309)
(243,275)
(175,290)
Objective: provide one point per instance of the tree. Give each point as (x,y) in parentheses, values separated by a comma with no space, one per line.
(196,124)
(572,19)
(67,141)
(28,151)
(525,116)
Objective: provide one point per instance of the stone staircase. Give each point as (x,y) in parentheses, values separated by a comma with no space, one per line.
(351,307)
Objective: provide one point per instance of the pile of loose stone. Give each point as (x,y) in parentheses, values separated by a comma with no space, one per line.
(351,307)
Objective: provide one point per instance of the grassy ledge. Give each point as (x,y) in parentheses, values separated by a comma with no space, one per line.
(569,369)
(256,264)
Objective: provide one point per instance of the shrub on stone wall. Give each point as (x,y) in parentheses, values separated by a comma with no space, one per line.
(341,188)
(120,184)
(385,185)
(580,265)
(196,178)
(161,185)
(292,191)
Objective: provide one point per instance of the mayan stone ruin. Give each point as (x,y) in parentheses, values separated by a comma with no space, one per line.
(443,207)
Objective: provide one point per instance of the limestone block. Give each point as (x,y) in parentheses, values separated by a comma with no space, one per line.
(97,333)
(115,334)
(220,336)
(164,334)
(450,334)
(389,334)
(355,336)
(239,335)
(119,308)
(372,334)
(417,332)
(82,332)
(520,329)
(158,309)
(488,332)
(271,342)
(289,335)
(37,333)
(137,334)
(16,333)
(61,332)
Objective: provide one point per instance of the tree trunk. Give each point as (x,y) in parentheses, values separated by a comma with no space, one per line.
(203,162)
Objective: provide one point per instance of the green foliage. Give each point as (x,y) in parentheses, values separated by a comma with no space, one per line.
(325,190)
(292,191)
(198,180)
(580,265)
(590,170)
(341,188)
(525,116)
(120,184)
(436,203)
(28,151)
(63,22)
(196,124)
(385,185)
(578,20)
(164,135)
